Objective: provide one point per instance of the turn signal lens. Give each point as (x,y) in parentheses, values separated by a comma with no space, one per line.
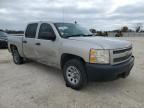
(92,57)
(99,56)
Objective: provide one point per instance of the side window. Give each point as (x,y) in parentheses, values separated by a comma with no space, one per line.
(31,30)
(45,31)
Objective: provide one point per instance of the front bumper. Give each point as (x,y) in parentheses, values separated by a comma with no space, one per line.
(101,72)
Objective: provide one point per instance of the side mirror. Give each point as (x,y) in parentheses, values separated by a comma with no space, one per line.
(48,36)
(51,36)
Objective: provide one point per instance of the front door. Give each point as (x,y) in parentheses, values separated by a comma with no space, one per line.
(46,50)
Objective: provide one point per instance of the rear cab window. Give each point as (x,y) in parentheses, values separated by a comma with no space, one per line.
(31,30)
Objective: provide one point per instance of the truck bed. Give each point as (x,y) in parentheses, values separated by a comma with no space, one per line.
(17,41)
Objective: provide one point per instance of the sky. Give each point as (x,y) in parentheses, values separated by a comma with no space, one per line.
(98,14)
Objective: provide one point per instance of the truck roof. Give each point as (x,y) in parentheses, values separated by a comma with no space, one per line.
(50,22)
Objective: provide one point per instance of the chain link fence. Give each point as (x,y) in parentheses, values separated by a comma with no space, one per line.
(127,34)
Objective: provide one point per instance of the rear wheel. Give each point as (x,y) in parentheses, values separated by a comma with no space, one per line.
(16,57)
(74,74)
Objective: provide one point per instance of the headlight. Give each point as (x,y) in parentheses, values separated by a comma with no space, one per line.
(99,56)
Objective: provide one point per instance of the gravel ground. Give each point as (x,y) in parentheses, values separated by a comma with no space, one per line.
(33,85)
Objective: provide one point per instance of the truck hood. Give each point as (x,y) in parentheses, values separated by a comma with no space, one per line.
(104,42)
(3,38)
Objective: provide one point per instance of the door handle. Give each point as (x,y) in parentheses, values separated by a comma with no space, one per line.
(38,44)
(24,41)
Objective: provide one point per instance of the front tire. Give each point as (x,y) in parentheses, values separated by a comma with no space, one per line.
(75,74)
(16,57)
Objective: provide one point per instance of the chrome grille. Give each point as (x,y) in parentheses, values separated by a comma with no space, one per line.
(121,55)
(122,50)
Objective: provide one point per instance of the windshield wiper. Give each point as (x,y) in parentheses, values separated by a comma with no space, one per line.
(79,35)
(88,35)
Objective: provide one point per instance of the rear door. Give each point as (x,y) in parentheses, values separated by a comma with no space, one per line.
(29,40)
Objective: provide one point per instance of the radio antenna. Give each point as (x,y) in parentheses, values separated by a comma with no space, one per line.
(63,14)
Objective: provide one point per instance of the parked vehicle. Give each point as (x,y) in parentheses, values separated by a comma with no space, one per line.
(81,56)
(3,39)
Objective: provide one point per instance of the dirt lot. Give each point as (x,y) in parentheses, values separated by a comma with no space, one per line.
(33,85)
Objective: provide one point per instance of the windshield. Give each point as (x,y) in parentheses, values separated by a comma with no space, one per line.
(3,33)
(71,30)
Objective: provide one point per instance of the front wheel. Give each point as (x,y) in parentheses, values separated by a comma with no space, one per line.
(16,57)
(75,74)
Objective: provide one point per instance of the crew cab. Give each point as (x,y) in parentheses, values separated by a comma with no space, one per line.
(81,56)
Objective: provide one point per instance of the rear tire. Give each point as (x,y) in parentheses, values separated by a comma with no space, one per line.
(16,57)
(74,74)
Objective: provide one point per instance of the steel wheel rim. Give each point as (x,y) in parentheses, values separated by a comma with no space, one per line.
(73,75)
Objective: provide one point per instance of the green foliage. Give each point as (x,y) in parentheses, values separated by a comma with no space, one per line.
(99,33)
(119,34)
(125,29)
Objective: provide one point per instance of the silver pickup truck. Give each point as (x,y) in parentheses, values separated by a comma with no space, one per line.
(81,56)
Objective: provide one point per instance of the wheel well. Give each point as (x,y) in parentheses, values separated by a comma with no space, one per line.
(12,47)
(66,57)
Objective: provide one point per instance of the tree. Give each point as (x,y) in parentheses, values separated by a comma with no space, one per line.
(138,27)
(119,34)
(124,29)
